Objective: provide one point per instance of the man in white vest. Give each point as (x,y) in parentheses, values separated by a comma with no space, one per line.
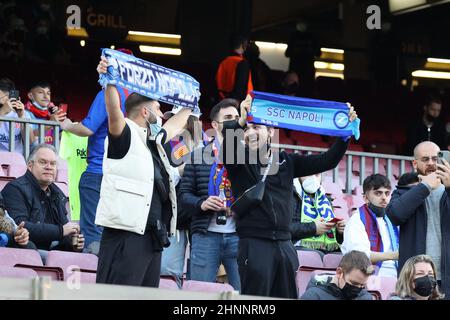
(137,195)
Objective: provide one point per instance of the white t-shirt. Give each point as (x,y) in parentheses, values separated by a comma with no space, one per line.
(229,227)
(4,134)
(355,238)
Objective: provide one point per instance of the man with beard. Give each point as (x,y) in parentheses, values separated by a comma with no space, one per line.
(430,127)
(267,259)
(423,214)
(369,229)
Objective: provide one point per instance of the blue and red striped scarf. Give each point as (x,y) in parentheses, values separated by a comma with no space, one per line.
(369,220)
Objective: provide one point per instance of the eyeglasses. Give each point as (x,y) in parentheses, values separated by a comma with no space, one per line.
(427,159)
(43,163)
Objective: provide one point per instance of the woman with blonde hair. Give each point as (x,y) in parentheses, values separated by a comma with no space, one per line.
(417,280)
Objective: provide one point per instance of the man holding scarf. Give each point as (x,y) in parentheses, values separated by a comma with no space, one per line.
(267,258)
(371,231)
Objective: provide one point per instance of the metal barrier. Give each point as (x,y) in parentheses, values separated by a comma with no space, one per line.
(360,159)
(42,124)
(345,166)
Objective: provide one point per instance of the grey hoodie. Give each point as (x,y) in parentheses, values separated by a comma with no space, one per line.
(321,288)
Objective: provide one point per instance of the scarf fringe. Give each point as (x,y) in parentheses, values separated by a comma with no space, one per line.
(320,245)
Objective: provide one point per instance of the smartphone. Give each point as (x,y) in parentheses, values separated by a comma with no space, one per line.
(63,107)
(445,154)
(14,95)
(335,220)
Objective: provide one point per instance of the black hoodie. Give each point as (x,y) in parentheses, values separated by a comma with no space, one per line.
(272,218)
(321,288)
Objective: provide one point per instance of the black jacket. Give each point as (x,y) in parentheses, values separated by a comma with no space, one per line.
(272,218)
(194,190)
(25,201)
(303,230)
(321,288)
(407,210)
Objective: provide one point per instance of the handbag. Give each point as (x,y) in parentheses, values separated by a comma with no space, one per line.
(251,197)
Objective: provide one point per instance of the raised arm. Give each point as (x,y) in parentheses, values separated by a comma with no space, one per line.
(116,119)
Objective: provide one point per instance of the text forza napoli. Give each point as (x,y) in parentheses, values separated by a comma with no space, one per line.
(155,81)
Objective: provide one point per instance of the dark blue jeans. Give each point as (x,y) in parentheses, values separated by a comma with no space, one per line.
(89,196)
(211,249)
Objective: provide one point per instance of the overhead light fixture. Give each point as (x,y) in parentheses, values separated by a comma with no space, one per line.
(329,74)
(82,43)
(154,37)
(78,32)
(331,50)
(271,45)
(160,50)
(329,65)
(438,60)
(431,74)
(113,47)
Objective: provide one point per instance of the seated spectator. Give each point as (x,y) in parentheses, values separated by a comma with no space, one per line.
(12,235)
(37,201)
(348,283)
(417,280)
(41,107)
(312,209)
(369,229)
(11,108)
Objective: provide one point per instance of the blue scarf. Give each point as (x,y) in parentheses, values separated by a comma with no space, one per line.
(309,115)
(369,220)
(150,80)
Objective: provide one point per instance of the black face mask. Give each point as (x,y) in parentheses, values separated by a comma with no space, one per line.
(424,286)
(379,211)
(431,118)
(350,292)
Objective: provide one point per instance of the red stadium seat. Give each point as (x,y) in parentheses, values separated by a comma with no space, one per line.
(13,164)
(168,283)
(201,286)
(30,259)
(384,285)
(332,260)
(71,262)
(11,272)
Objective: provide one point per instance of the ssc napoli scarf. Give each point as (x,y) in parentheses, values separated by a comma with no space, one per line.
(369,220)
(301,114)
(150,80)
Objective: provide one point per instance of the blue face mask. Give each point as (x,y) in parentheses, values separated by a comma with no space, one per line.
(154,127)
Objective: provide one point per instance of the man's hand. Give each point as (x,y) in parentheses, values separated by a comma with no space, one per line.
(212,203)
(58,116)
(340,226)
(443,173)
(18,107)
(21,235)
(80,244)
(351,113)
(71,228)
(323,227)
(102,65)
(246,105)
(432,180)
(66,124)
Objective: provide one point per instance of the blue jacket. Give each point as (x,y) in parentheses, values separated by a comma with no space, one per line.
(407,210)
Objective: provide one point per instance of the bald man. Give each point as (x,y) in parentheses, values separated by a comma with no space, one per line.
(423,213)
